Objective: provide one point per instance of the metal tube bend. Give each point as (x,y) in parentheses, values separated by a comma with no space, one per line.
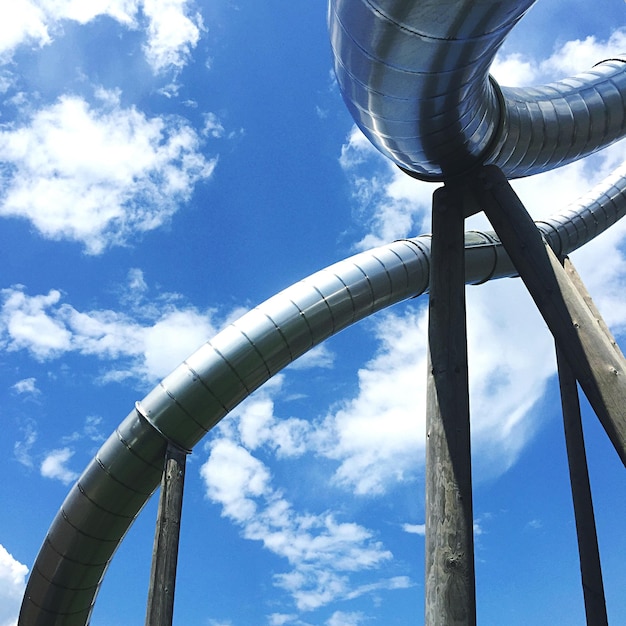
(415,77)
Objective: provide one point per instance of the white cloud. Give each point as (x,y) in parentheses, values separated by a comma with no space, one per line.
(377,436)
(514,70)
(12,584)
(172,29)
(172,32)
(21,20)
(233,478)
(36,21)
(98,175)
(414,529)
(582,54)
(172,339)
(147,350)
(357,150)
(55,466)
(136,282)
(28,325)
(518,70)
(257,425)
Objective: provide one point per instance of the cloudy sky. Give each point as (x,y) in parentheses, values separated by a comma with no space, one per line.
(167,164)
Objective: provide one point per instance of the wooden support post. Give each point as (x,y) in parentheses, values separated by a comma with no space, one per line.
(160,610)
(598,367)
(450,582)
(588,552)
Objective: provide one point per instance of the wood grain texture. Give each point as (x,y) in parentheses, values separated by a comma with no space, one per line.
(450,581)
(160,610)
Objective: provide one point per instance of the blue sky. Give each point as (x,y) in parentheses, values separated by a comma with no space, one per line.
(167,164)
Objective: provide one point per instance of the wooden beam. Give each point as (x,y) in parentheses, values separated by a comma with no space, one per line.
(588,551)
(160,611)
(598,367)
(450,581)
(573,275)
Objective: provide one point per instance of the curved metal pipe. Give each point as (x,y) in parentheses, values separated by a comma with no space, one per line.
(114,487)
(415,77)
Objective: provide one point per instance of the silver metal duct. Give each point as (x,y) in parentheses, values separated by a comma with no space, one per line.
(117,483)
(415,77)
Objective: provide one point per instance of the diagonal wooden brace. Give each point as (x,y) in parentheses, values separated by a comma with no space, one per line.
(599,368)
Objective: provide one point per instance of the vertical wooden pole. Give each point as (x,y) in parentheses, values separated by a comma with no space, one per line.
(450,582)
(160,611)
(588,552)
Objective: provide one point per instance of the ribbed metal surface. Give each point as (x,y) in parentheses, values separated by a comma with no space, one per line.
(589,216)
(115,486)
(415,77)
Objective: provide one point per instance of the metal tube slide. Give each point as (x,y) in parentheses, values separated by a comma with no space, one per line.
(117,483)
(415,77)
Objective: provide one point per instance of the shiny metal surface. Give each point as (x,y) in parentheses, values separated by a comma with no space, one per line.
(114,487)
(388,54)
(415,77)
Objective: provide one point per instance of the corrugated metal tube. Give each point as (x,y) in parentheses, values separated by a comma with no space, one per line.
(415,76)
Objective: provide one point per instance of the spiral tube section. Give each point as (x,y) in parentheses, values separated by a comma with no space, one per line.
(415,77)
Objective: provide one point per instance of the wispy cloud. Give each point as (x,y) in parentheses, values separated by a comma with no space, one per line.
(26,386)
(320,356)
(91,431)
(22,448)
(321,550)
(341,618)
(98,175)
(213,126)
(280,619)
(387,202)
